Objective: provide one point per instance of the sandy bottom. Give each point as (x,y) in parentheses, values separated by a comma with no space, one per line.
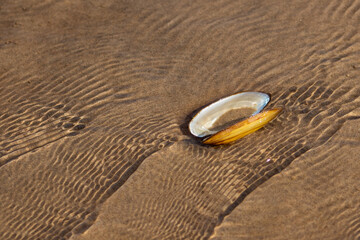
(95,98)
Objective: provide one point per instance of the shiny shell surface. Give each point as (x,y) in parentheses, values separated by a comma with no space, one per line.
(201,124)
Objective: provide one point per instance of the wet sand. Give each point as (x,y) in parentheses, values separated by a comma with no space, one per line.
(95,98)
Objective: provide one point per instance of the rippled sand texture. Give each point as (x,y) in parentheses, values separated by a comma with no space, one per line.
(95,98)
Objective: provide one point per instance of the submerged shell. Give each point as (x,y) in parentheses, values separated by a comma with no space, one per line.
(202,123)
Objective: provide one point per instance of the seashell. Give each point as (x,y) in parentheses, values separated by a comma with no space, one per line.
(201,125)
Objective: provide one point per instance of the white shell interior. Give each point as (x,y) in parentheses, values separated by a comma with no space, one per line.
(201,124)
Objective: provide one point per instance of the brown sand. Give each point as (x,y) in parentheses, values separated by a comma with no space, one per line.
(96,97)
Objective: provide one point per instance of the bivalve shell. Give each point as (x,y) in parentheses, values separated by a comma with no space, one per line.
(201,125)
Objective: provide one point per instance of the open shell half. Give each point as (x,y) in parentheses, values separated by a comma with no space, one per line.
(201,125)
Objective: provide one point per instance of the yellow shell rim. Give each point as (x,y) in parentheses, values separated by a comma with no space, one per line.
(242,128)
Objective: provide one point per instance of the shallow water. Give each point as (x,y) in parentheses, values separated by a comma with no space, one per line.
(95,99)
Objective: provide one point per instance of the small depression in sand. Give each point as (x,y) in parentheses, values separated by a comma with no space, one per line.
(232,117)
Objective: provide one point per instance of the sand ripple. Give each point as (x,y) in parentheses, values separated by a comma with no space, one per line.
(96,97)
